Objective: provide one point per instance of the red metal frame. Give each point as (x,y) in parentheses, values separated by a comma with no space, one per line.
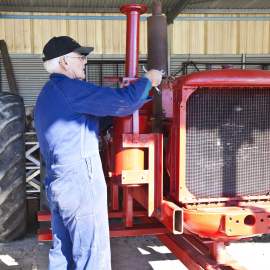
(213,217)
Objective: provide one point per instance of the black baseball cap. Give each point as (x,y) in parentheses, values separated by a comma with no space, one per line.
(58,46)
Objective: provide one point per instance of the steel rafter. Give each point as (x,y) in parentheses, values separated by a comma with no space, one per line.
(175,10)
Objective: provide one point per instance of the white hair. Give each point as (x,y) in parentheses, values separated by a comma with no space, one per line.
(52,65)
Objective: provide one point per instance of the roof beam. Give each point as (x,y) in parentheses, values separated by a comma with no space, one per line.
(175,10)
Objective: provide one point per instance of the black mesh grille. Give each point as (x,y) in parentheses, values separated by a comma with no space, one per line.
(228,142)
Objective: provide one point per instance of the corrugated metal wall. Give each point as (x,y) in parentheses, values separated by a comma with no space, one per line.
(30,35)
(31,76)
(191,33)
(216,33)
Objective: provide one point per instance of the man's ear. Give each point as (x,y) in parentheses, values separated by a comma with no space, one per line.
(63,63)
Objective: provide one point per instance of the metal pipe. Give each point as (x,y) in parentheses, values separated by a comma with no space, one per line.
(133,12)
(157,50)
(157,47)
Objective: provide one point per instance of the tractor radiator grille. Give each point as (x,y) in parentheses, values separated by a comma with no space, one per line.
(228,142)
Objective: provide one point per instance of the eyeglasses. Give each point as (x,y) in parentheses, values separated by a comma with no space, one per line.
(81,57)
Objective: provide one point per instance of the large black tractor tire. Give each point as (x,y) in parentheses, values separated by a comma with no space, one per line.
(12,167)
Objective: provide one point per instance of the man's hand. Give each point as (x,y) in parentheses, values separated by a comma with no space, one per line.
(155,76)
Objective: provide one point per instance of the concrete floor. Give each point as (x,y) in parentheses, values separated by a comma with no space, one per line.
(136,253)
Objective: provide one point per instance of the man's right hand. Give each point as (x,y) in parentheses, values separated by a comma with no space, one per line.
(155,76)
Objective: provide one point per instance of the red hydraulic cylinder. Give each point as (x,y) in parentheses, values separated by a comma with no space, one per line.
(130,159)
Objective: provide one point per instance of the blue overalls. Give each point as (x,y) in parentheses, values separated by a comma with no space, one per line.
(67,116)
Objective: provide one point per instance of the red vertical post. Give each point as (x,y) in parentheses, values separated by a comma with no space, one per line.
(128,206)
(125,158)
(133,12)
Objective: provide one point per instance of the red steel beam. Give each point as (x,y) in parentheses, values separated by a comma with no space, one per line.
(137,230)
(121,214)
(187,254)
(45,216)
(149,227)
(44,234)
(195,253)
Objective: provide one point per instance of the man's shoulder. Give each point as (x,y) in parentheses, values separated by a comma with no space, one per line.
(75,85)
(46,87)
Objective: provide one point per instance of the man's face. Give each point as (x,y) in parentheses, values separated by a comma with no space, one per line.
(75,65)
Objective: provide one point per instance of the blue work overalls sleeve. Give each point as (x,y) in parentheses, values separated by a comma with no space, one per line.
(88,98)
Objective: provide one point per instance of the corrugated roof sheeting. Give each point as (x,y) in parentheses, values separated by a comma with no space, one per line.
(75,5)
(228,4)
(113,6)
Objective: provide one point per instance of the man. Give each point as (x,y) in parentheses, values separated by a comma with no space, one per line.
(67,122)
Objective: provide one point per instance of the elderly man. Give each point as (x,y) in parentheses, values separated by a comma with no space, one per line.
(67,123)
